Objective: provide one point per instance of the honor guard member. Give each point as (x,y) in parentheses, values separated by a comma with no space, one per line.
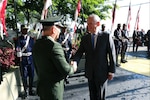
(136,40)
(50,62)
(148,43)
(125,39)
(103,28)
(24,52)
(117,42)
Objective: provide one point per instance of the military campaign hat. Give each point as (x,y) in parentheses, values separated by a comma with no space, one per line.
(52,21)
(24,26)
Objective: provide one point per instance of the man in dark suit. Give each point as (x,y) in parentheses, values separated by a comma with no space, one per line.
(50,63)
(100,58)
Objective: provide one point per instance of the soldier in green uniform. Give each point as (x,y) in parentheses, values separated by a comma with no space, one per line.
(50,62)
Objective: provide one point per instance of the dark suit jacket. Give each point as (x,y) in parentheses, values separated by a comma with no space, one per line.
(99,61)
(51,67)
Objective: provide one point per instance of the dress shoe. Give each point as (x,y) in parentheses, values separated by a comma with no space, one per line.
(32,93)
(23,95)
(67,82)
(117,65)
(123,61)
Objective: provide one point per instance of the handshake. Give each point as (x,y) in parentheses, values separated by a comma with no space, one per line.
(74,65)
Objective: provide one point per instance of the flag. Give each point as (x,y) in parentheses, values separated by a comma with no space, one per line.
(113,13)
(77,12)
(129,17)
(47,4)
(137,19)
(3,5)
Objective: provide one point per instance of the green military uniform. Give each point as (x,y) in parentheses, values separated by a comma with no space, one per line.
(51,67)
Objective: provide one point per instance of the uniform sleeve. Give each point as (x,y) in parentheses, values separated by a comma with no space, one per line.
(80,51)
(60,61)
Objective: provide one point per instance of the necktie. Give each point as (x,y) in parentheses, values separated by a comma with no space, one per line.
(93,40)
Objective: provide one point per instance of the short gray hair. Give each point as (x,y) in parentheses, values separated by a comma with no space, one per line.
(95,17)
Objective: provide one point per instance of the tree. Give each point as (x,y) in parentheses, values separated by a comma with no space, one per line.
(30,10)
(88,6)
(19,11)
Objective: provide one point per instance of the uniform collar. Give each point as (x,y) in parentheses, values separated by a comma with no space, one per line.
(49,37)
(25,36)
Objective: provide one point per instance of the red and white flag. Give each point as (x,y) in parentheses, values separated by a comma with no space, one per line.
(137,19)
(47,4)
(77,12)
(129,17)
(3,4)
(114,13)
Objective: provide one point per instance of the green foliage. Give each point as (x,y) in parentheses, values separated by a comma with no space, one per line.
(31,10)
(19,11)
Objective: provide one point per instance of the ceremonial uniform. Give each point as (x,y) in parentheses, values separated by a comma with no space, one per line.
(124,35)
(50,63)
(117,42)
(136,39)
(148,44)
(24,45)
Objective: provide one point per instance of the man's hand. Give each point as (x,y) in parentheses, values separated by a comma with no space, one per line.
(110,76)
(74,65)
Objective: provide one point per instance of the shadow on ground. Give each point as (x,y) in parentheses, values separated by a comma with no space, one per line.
(141,54)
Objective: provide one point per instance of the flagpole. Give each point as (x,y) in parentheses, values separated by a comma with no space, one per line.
(51,11)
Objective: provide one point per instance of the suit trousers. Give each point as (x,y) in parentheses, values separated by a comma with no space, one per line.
(117,48)
(97,90)
(123,50)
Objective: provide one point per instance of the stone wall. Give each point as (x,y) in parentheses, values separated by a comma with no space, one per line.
(11,85)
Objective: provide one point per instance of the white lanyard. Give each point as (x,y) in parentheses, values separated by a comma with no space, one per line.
(27,42)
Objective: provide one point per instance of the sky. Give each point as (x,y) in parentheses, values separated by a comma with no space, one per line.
(122,13)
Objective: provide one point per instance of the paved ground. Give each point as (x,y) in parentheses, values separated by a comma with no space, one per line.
(126,85)
(138,62)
